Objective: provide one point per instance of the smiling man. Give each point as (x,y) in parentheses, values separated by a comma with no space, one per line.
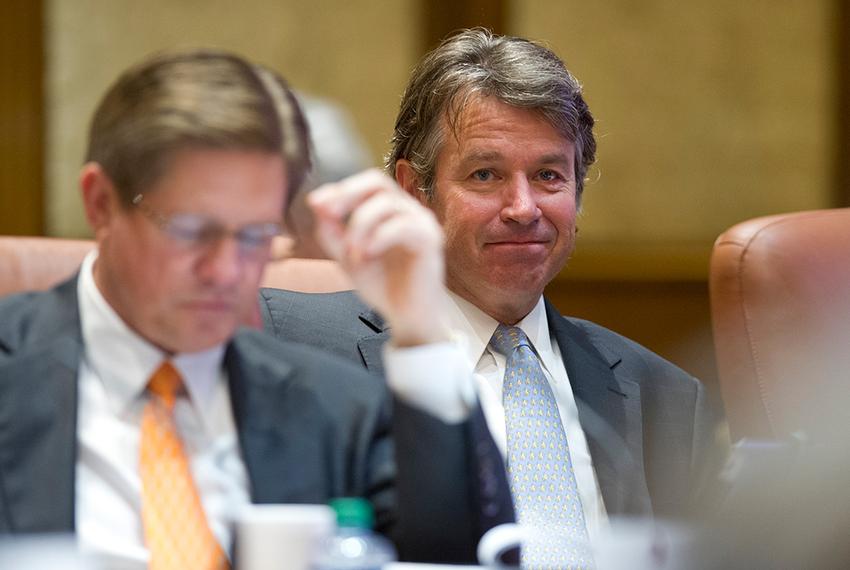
(132,410)
(506,201)
(495,137)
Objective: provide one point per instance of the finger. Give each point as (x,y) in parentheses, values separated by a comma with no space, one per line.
(373,212)
(336,201)
(332,204)
(416,234)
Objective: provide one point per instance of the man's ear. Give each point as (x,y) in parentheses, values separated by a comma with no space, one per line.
(100,200)
(409,180)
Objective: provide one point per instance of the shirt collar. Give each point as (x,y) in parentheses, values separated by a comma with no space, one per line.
(477,327)
(536,328)
(124,361)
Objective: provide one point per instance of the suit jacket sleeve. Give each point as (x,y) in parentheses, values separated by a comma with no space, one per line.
(451,485)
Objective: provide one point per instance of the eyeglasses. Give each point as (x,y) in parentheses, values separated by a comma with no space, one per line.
(199,232)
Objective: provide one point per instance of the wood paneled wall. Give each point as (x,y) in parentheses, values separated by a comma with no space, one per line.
(21,118)
(640,267)
(842,99)
(442,17)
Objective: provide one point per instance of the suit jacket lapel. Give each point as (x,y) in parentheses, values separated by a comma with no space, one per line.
(256,396)
(278,423)
(38,418)
(609,408)
(371,345)
(610,415)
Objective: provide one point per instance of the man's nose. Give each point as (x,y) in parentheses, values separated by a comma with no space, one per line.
(222,261)
(520,202)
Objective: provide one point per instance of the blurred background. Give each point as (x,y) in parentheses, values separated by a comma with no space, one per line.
(709,112)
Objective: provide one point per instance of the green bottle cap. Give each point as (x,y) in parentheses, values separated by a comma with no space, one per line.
(353,512)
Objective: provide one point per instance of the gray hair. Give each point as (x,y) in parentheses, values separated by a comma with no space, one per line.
(476,62)
(204,99)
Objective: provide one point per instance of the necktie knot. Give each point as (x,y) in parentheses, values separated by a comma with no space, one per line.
(506,339)
(166,383)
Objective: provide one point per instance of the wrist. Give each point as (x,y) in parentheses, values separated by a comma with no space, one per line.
(417,333)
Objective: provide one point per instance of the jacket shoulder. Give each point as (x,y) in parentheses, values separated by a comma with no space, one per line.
(331,376)
(23,317)
(280,305)
(334,322)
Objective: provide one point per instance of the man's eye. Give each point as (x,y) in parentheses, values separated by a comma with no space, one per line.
(549,175)
(254,237)
(482,175)
(187,228)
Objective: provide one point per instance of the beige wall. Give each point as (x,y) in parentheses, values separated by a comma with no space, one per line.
(708,112)
(324,47)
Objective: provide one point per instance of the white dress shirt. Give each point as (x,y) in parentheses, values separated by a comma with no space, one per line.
(115,368)
(412,373)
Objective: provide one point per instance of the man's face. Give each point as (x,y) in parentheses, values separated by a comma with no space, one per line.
(505,193)
(183,297)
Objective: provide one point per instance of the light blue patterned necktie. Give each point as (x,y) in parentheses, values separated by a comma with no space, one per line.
(539,466)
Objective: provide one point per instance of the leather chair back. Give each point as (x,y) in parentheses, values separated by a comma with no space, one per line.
(37,263)
(307,275)
(780,303)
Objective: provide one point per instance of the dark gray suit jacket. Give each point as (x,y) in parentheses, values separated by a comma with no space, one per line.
(648,423)
(311,427)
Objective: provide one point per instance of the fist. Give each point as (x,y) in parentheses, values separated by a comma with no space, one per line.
(392,247)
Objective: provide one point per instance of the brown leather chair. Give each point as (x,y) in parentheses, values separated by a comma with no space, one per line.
(780,303)
(308,275)
(35,263)
(30,263)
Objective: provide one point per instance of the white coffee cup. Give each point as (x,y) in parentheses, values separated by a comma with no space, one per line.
(281,537)
(502,538)
(623,544)
(644,544)
(499,540)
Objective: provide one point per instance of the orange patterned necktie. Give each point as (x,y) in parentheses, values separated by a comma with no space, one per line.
(176,530)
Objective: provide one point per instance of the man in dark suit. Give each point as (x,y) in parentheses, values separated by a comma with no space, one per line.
(132,410)
(494,136)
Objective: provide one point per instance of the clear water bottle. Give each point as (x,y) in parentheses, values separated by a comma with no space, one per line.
(354,546)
